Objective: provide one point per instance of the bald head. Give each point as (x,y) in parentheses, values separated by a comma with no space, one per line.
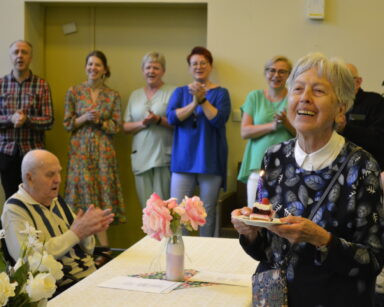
(34,160)
(40,171)
(355,74)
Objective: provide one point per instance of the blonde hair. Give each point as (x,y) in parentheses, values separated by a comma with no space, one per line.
(153,56)
(278,58)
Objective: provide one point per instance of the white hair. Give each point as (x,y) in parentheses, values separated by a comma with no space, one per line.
(334,70)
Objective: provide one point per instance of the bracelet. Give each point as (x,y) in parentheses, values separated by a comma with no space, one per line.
(202,101)
(159,121)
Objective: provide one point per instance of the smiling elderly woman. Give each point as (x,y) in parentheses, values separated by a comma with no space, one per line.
(152,135)
(331,253)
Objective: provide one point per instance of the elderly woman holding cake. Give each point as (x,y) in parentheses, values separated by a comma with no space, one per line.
(326,193)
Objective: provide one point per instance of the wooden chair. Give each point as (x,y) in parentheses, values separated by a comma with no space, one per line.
(227,203)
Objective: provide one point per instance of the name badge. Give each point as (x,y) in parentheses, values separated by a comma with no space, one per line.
(356,116)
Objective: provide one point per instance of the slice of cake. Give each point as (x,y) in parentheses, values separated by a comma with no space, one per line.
(262,211)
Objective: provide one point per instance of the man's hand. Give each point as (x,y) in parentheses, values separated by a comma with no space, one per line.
(92,221)
(18,118)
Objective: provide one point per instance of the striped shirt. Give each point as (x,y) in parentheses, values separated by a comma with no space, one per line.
(33,96)
(54,223)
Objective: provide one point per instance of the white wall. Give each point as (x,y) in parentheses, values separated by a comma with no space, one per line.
(243,34)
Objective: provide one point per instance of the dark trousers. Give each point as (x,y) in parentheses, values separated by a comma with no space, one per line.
(379,300)
(10,171)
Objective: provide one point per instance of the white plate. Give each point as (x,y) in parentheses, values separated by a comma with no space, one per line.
(259,223)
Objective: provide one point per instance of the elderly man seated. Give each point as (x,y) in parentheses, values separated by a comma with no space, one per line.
(67,237)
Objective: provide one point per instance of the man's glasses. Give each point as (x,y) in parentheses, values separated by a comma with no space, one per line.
(280,72)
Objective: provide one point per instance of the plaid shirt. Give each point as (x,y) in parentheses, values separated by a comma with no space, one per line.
(33,96)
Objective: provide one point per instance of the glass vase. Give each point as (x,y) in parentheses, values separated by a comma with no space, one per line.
(175,258)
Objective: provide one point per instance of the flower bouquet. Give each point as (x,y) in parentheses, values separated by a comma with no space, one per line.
(163,219)
(32,280)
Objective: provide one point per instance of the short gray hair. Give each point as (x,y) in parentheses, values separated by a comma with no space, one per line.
(334,70)
(153,56)
(21,41)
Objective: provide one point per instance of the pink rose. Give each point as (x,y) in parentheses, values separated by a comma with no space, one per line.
(156,218)
(180,211)
(171,203)
(195,213)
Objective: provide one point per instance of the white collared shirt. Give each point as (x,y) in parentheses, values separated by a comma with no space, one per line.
(322,157)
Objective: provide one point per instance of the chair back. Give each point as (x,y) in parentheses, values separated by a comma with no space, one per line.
(3,245)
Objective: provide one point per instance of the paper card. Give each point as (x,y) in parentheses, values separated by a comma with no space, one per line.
(223,278)
(140,284)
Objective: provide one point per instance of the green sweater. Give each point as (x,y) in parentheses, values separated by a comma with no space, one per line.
(262,111)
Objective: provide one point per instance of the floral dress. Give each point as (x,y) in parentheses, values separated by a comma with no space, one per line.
(92,176)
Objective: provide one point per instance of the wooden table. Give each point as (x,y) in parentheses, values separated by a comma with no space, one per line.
(208,254)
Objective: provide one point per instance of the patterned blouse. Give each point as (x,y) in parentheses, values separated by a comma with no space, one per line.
(345,273)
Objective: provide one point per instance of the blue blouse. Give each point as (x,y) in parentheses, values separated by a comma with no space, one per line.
(199,144)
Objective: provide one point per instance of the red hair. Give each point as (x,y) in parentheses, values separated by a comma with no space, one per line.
(201,51)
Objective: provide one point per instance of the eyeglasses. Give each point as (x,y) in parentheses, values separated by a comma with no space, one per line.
(202,64)
(280,72)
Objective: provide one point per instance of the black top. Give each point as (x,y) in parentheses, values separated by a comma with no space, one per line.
(365,124)
(352,212)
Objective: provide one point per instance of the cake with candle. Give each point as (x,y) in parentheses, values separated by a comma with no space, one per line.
(262,211)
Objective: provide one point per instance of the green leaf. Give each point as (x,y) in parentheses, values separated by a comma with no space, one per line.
(20,300)
(3,263)
(21,276)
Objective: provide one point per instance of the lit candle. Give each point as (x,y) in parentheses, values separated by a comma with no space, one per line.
(260,186)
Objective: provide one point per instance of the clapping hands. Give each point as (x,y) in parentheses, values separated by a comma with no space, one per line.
(92,116)
(197,90)
(18,118)
(92,221)
(281,118)
(150,119)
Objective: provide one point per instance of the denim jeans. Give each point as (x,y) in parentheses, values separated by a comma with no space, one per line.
(184,184)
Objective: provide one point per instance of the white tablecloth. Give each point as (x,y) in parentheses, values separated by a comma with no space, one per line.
(206,254)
